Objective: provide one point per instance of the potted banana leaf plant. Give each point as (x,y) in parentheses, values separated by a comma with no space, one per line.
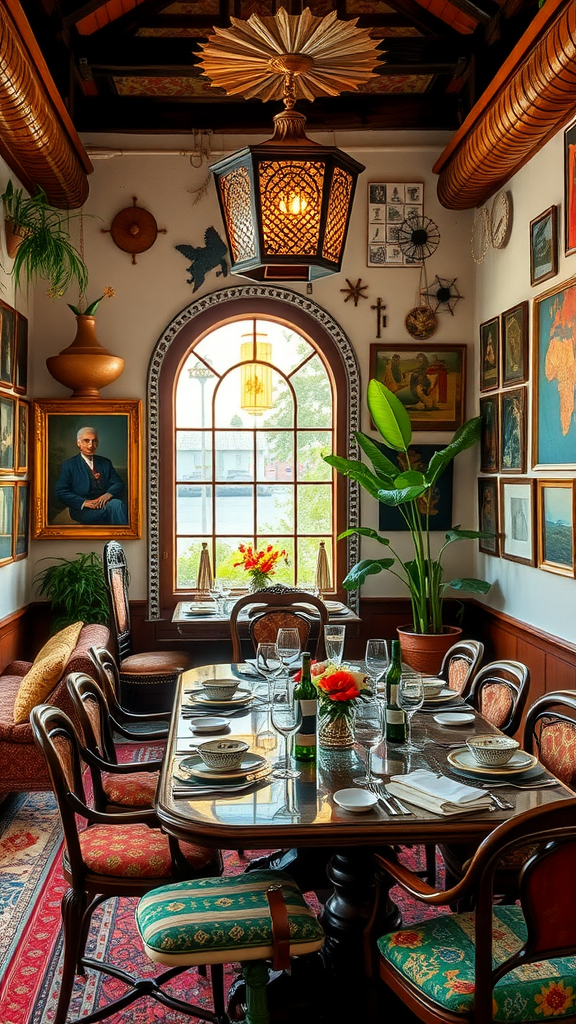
(410,491)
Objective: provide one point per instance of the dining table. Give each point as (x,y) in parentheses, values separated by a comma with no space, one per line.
(270,813)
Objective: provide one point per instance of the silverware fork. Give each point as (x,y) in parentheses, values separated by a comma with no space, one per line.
(384,794)
(384,799)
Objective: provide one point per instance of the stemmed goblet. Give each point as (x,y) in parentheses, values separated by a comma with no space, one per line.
(410,699)
(376,660)
(288,647)
(268,662)
(369,731)
(286,719)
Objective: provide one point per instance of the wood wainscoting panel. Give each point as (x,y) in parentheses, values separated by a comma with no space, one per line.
(15,638)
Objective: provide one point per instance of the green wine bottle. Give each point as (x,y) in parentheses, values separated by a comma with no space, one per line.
(305,692)
(395,717)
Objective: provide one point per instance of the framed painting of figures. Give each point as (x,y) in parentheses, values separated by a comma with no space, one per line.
(515,345)
(518,521)
(513,431)
(488,516)
(431,385)
(554,378)
(489,434)
(490,354)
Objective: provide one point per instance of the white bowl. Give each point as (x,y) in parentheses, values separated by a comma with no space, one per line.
(355,799)
(206,724)
(492,750)
(222,753)
(220,689)
(433,687)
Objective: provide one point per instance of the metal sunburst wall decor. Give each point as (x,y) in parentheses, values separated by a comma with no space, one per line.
(444,293)
(418,237)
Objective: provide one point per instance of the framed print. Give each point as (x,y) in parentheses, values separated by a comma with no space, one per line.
(87,469)
(431,385)
(488,516)
(544,246)
(489,434)
(518,521)
(514,344)
(23,417)
(389,205)
(6,522)
(570,189)
(513,426)
(553,378)
(21,362)
(7,427)
(22,520)
(490,354)
(556,519)
(438,507)
(7,344)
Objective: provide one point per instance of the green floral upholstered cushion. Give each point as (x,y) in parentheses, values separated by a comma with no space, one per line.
(219,920)
(438,957)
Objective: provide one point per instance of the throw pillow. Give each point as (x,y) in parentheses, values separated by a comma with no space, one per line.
(46,671)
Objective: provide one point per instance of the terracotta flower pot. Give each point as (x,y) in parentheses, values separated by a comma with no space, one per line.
(424,651)
(13,238)
(85,365)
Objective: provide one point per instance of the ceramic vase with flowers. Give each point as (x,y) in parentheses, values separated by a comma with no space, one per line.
(260,566)
(339,690)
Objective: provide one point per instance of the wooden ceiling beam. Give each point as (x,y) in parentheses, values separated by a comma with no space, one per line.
(482,14)
(421,18)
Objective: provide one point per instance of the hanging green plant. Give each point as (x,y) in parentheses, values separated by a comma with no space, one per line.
(45,249)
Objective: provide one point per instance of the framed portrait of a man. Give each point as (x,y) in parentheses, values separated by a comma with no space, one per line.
(87,469)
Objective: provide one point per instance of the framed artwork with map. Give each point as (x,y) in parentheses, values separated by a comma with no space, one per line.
(554,374)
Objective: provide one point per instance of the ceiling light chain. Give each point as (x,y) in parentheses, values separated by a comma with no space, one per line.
(201,152)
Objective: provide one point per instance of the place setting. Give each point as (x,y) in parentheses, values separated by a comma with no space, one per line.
(217,694)
(497,758)
(219,766)
(439,697)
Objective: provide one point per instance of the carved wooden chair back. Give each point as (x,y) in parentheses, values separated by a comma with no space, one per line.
(306,608)
(116,575)
(460,664)
(550,732)
(499,692)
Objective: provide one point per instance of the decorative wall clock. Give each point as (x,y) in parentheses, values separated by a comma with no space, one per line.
(134,229)
(501,220)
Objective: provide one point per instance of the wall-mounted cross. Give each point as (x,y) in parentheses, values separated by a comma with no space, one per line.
(380,317)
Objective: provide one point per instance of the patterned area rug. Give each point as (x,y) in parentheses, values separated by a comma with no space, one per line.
(32,887)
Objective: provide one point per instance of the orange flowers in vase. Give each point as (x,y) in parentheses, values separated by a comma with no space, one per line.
(260,565)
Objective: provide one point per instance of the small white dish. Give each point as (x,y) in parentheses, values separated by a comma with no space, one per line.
(356,800)
(210,725)
(441,698)
(454,718)
(335,606)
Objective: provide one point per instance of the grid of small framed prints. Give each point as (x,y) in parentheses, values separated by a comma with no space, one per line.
(389,205)
(14,435)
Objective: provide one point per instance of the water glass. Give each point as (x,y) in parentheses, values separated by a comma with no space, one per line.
(268,662)
(369,731)
(286,719)
(410,699)
(288,647)
(376,660)
(334,637)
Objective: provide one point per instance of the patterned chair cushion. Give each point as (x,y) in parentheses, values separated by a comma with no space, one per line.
(458,673)
(135,851)
(136,790)
(496,703)
(558,749)
(438,957)
(219,920)
(45,672)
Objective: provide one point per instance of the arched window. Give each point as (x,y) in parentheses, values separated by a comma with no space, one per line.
(251,394)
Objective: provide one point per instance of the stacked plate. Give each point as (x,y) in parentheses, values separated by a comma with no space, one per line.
(336,608)
(521,766)
(445,700)
(192,769)
(199,608)
(199,698)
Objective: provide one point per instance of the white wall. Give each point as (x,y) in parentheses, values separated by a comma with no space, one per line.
(151,293)
(14,577)
(532,595)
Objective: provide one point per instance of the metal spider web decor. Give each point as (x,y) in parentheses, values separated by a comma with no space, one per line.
(418,237)
(444,293)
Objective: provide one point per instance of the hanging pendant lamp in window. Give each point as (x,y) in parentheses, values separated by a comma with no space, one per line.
(286,203)
(256,378)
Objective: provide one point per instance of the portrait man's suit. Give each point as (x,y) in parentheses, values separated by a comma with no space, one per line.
(77,484)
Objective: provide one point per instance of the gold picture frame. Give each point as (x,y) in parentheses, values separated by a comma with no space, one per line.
(556,518)
(64,481)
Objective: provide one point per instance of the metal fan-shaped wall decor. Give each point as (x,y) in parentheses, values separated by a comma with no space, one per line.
(418,237)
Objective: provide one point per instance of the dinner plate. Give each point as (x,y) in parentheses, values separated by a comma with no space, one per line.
(526,775)
(208,724)
(454,718)
(194,765)
(336,606)
(465,760)
(443,696)
(200,611)
(237,700)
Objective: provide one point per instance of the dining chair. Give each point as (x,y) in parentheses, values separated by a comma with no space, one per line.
(251,919)
(499,692)
(121,854)
(277,608)
(459,665)
(550,733)
(129,785)
(145,727)
(147,680)
(500,963)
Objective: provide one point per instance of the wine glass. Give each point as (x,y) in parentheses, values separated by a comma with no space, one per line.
(216,595)
(376,660)
(286,719)
(410,699)
(268,662)
(288,647)
(334,643)
(369,731)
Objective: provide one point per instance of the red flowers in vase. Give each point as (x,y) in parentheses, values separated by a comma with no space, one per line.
(260,565)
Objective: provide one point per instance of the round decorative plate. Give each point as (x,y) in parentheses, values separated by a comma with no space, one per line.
(195,766)
(421,322)
(519,762)
(454,718)
(480,237)
(242,696)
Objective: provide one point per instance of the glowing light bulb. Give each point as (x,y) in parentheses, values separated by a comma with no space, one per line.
(294,205)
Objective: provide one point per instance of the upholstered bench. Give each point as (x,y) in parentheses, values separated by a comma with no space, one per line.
(22,765)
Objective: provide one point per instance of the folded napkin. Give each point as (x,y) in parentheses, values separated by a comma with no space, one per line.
(438,794)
